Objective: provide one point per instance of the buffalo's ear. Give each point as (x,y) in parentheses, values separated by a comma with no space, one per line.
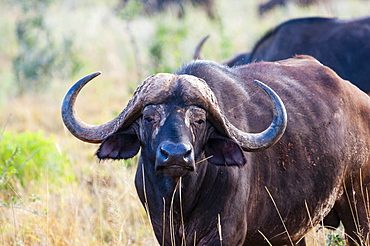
(121,145)
(224,151)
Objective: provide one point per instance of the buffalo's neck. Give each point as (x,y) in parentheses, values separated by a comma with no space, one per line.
(186,202)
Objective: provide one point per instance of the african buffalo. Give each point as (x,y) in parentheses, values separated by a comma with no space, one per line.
(271,4)
(223,163)
(154,6)
(343,45)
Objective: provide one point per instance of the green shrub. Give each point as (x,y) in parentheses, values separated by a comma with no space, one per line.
(129,10)
(40,56)
(31,157)
(165,50)
(334,239)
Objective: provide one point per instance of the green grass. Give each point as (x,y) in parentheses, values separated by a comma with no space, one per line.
(29,156)
(99,205)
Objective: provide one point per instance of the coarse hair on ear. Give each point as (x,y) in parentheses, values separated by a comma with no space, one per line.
(121,145)
(224,151)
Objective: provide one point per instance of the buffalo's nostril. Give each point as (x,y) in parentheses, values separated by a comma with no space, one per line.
(187,154)
(176,152)
(175,155)
(164,152)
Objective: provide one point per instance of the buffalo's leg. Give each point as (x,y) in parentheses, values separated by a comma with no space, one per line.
(353,211)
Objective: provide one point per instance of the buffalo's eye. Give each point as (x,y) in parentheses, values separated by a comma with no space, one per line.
(200,122)
(152,114)
(149,119)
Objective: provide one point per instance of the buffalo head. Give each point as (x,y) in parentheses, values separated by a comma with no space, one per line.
(200,132)
(176,121)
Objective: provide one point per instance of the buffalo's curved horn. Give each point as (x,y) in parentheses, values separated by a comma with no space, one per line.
(198,49)
(143,95)
(81,130)
(256,141)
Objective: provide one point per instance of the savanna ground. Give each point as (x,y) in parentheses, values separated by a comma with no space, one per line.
(53,191)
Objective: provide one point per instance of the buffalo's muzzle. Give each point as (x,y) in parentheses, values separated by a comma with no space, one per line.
(175,159)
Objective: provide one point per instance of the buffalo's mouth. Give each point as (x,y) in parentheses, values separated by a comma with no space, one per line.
(175,170)
(174,159)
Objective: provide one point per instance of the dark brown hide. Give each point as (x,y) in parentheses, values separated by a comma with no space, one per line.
(320,166)
(342,45)
(271,4)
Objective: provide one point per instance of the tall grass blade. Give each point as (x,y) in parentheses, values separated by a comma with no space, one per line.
(3,130)
(219,228)
(281,218)
(164,221)
(265,238)
(181,214)
(204,159)
(172,229)
(145,198)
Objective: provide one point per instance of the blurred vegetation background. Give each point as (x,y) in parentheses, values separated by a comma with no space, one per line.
(52,189)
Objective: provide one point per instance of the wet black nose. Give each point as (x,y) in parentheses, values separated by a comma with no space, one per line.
(175,155)
(176,152)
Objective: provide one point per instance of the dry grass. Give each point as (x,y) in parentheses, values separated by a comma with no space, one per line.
(101,207)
